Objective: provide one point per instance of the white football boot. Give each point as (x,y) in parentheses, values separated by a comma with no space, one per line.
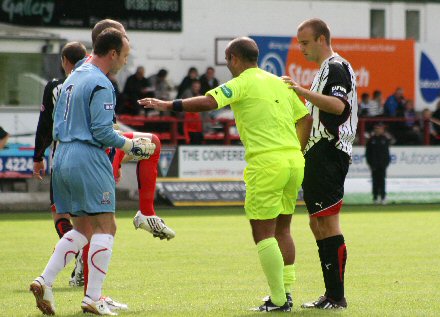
(154,225)
(43,296)
(114,305)
(99,307)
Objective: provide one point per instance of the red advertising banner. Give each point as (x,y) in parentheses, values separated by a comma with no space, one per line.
(379,64)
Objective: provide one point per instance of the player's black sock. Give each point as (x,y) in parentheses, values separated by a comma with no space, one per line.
(335,257)
(62,226)
(320,244)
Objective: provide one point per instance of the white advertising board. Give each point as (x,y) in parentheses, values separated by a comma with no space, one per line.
(406,161)
(211,162)
(228,162)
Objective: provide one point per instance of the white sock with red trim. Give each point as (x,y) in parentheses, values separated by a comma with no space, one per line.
(100,253)
(65,250)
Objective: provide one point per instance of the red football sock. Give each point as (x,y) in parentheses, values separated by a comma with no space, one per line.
(146,172)
(85,256)
(119,155)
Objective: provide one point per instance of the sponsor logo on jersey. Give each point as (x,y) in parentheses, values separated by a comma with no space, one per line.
(108,106)
(338,88)
(106,198)
(226,91)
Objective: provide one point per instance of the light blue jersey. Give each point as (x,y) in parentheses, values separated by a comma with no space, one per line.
(85,109)
(83,182)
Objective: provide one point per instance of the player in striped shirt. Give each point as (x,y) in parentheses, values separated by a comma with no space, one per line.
(332,102)
(274,127)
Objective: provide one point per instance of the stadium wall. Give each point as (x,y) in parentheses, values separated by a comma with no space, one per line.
(413,175)
(204,21)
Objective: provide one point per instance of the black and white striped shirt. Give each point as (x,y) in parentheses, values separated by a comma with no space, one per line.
(335,78)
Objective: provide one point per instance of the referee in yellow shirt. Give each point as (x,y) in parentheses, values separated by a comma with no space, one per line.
(274,126)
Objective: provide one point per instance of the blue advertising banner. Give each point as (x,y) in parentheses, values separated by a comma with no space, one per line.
(16,161)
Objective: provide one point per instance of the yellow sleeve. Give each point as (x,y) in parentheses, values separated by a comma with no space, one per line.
(227,93)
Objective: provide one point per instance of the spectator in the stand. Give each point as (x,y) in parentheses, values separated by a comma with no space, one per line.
(408,132)
(394,102)
(161,85)
(427,119)
(436,118)
(208,80)
(136,87)
(376,106)
(394,105)
(378,158)
(4,136)
(193,124)
(364,105)
(192,75)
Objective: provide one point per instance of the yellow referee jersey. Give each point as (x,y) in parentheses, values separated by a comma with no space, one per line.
(265,110)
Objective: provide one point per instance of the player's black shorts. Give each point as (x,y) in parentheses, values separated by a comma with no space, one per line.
(324,177)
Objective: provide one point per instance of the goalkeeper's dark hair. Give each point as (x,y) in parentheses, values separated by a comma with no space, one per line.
(107,40)
(244,48)
(74,52)
(105,24)
(318,27)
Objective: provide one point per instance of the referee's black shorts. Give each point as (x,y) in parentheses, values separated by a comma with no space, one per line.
(324,177)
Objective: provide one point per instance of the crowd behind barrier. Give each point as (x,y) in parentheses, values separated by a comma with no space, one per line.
(403,125)
(169,130)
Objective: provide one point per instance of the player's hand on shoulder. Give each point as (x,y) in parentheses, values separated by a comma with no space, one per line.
(293,85)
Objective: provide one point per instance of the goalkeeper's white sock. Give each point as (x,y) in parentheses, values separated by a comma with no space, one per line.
(100,254)
(65,250)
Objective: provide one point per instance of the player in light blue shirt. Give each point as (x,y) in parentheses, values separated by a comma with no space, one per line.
(83,180)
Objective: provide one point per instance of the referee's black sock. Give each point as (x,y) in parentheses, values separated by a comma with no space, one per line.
(335,257)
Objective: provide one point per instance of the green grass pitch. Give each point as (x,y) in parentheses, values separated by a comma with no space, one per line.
(211,267)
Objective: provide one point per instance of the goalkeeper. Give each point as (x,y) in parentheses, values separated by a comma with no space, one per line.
(146,218)
(83,181)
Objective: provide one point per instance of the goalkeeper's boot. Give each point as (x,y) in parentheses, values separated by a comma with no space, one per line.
(154,225)
(114,305)
(43,296)
(325,302)
(77,277)
(289,299)
(268,307)
(100,307)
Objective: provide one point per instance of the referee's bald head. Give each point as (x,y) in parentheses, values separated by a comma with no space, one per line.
(244,48)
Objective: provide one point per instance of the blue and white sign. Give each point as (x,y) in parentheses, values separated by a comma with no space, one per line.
(273,53)
(427,76)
